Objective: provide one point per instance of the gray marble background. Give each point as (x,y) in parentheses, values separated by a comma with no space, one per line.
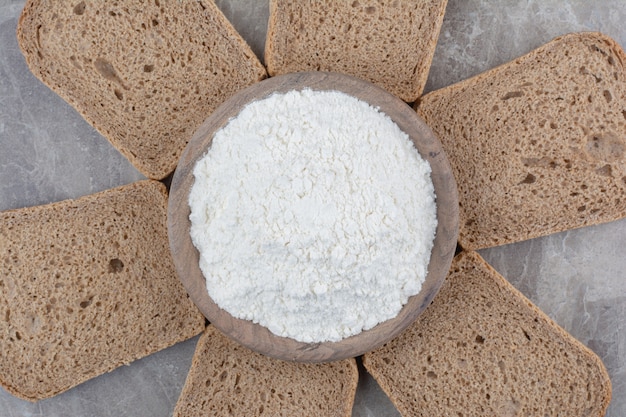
(48,153)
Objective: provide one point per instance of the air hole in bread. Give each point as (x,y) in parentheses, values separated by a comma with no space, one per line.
(530,178)
(415,69)
(116,265)
(38,39)
(79,9)
(512,94)
(370,10)
(431,375)
(118,94)
(480,340)
(106,70)
(607,96)
(605,171)
(86,303)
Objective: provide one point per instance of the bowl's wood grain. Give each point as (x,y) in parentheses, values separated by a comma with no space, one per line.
(256,337)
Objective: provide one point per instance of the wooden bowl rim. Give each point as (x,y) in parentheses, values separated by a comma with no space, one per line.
(255,336)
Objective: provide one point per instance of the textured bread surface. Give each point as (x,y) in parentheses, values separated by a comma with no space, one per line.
(144,74)
(537,145)
(483,349)
(86,286)
(388,43)
(227,379)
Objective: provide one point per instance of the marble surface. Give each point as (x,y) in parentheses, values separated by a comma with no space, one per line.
(48,153)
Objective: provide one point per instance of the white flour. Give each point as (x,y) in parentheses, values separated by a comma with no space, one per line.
(314,216)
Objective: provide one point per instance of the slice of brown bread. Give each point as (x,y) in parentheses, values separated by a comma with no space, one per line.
(537,145)
(390,44)
(86,286)
(144,74)
(483,349)
(227,379)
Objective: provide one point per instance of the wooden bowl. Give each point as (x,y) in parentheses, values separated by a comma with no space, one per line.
(255,336)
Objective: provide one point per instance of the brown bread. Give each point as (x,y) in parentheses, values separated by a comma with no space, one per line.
(390,44)
(537,145)
(227,379)
(144,74)
(87,285)
(483,349)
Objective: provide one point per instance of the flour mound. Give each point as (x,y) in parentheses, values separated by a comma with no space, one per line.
(314,216)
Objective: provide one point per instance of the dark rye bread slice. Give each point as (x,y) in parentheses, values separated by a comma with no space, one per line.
(145,74)
(537,145)
(483,349)
(87,285)
(390,44)
(227,379)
